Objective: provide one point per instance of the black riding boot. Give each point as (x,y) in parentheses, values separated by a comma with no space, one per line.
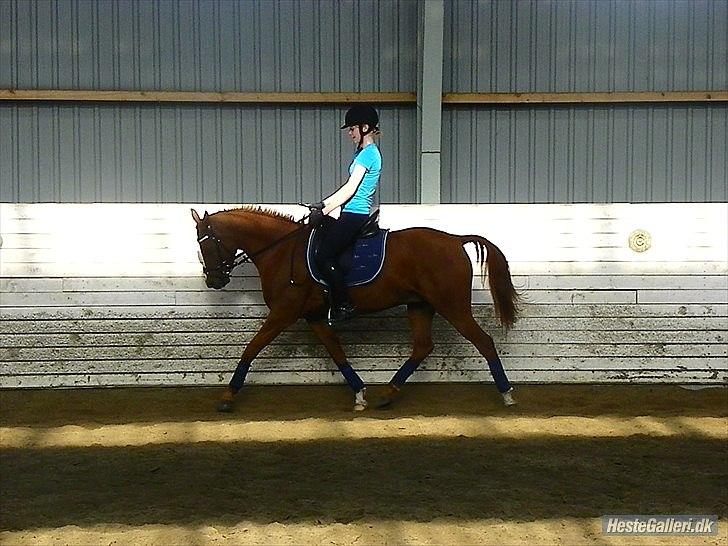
(341,307)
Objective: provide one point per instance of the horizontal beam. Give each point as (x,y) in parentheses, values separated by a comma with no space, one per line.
(348,98)
(194,96)
(585,98)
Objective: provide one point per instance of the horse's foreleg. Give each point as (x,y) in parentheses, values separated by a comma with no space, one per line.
(330,341)
(420,319)
(273,325)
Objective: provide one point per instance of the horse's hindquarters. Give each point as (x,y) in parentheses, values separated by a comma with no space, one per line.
(421,264)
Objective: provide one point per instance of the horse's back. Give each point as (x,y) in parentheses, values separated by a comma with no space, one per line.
(426,246)
(423,236)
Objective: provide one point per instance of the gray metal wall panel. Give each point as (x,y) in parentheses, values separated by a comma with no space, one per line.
(209,45)
(599,154)
(638,153)
(185,153)
(585,45)
(192,153)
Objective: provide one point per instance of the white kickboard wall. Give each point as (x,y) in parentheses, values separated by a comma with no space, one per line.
(113,294)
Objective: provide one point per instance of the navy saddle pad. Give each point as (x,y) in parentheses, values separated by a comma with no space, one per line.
(361,263)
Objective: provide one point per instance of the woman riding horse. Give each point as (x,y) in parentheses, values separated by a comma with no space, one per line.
(355,198)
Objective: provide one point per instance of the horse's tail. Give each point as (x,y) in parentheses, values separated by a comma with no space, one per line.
(505,296)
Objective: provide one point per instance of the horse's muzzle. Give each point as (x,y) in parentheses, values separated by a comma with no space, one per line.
(217,282)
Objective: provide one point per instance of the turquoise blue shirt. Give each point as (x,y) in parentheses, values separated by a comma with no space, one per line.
(371,160)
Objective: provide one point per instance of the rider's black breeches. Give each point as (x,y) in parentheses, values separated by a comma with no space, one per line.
(340,235)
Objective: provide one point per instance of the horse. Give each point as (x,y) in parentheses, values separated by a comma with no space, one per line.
(425,269)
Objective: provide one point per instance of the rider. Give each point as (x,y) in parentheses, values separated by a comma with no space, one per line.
(355,197)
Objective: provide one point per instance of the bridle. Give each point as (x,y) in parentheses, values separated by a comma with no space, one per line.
(226,266)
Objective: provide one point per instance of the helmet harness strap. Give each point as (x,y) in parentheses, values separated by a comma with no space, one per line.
(362,133)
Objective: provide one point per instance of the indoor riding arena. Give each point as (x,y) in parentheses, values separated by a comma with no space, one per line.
(554,190)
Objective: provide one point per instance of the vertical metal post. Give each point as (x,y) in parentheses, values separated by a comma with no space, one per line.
(429,99)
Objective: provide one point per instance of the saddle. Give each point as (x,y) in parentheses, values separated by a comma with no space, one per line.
(360,262)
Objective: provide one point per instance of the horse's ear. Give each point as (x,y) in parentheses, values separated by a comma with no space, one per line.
(206,216)
(195,216)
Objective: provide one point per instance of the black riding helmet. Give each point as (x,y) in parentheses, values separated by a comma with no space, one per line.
(360,115)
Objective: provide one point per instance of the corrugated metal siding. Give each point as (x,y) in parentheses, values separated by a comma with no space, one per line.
(209,45)
(585,154)
(190,154)
(568,154)
(193,153)
(183,153)
(505,46)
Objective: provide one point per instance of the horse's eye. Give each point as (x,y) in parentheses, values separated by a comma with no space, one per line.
(199,257)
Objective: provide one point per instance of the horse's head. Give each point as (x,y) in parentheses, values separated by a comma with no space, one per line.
(217,259)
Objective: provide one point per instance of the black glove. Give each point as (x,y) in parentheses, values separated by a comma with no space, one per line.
(316,214)
(315,217)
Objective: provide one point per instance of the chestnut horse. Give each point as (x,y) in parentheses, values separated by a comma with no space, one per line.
(426,269)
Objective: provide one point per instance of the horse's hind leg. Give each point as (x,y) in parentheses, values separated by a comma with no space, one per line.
(328,337)
(420,319)
(461,317)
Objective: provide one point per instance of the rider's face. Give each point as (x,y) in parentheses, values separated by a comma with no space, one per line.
(355,133)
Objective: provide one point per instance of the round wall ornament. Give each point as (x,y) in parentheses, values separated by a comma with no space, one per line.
(640,240)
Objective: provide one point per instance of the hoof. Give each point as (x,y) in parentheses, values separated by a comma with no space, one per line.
(388,398)
(360,403)
(508,399)
(226,401)
(225,407)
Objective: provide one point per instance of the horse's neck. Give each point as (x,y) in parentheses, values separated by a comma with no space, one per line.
(252,232)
